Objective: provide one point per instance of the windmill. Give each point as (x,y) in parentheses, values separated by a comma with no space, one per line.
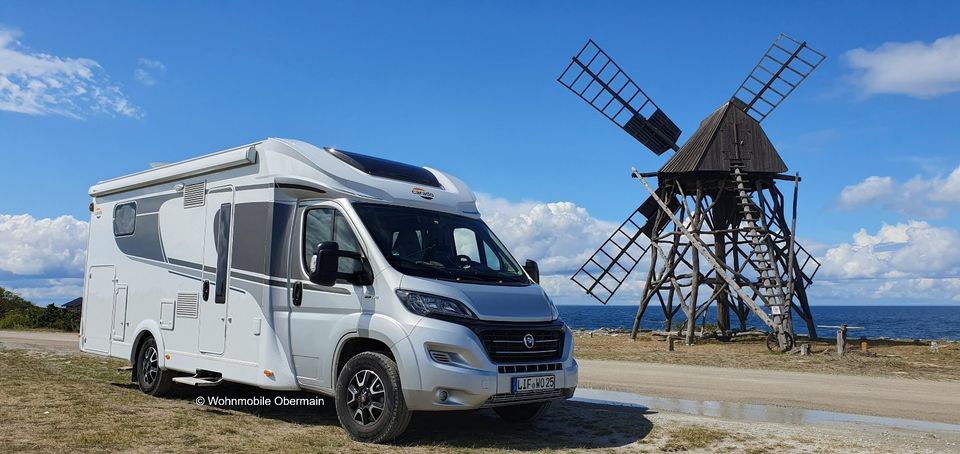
(714,230)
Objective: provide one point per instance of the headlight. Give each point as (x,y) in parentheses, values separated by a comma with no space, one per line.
(430,305)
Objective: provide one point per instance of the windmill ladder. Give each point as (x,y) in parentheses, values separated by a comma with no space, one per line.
(708,256)
(770,284)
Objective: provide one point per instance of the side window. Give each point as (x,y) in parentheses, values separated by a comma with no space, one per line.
(124,219)
(493,262)
(223,251)
(343,235)
(318,227)
(327,224)
(465,241)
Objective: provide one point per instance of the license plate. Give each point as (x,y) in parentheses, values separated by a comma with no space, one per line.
(537,383)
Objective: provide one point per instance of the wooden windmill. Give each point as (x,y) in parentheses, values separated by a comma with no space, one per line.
(714,231)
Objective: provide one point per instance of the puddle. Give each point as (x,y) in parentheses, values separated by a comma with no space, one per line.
(752,412)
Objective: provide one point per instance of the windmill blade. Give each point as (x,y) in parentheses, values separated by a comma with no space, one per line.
(599,81)
(781,69)
(606,270)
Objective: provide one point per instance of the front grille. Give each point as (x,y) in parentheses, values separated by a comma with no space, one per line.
(502,399)
(507,345)
(523,368)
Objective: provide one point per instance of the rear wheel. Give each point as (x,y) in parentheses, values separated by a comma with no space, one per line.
(150,377)
(521,413)
(369,402)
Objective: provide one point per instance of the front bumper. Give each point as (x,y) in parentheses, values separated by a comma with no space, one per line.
(453,363)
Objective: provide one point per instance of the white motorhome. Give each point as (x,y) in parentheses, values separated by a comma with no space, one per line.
(286,266)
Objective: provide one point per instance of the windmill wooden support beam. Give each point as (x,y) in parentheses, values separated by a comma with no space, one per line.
(722,271)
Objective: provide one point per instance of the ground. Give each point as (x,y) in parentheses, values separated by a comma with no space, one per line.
(56,399)
(891,358)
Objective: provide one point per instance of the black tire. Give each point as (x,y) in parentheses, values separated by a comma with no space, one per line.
(369,399)
(152,379)
(522,413)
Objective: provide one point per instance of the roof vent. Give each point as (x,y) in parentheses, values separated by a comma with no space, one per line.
(194,194)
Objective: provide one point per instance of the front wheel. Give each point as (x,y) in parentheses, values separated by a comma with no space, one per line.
(521,413)
(369,402)
(150,377)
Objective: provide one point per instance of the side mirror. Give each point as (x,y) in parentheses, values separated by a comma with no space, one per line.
(323,265)
(533,270)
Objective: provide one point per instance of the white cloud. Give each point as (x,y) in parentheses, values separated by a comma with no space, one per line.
(42,247)
(44,291)
(148,71)
(560,236)
(918,196)
(913,68)
(914,250)
(37,83)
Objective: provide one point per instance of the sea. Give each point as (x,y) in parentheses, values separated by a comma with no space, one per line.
(895,322)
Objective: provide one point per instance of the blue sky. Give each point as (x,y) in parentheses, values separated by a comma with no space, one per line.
(470,88)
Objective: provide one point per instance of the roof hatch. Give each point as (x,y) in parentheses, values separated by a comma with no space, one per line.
(385,168)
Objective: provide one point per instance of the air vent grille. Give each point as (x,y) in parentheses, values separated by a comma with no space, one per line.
(440,357)
(194,194)
(187,305)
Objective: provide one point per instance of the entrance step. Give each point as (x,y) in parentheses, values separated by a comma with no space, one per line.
(198,381)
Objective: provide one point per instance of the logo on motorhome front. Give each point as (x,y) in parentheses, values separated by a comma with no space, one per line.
(423,193)
(529,341)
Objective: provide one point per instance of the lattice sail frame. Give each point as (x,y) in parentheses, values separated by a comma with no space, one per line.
(597,79)
(781,69)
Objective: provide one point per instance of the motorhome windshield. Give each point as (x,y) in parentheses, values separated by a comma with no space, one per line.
(439,245)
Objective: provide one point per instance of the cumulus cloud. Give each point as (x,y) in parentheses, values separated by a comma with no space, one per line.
(907,262)
(45,291)
(37,83)
(915,68)
(918,196)
(148,71)
(42,247)
(560,236)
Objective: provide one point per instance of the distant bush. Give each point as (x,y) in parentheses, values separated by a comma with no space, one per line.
(18,313)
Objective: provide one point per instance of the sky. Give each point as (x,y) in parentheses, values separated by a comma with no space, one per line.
(94,90)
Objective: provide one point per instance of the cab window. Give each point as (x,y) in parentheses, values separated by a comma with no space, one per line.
(328,224)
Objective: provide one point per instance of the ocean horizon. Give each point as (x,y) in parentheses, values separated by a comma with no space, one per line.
(895,322)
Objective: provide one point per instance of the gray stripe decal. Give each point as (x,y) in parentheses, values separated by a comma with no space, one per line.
(145,241)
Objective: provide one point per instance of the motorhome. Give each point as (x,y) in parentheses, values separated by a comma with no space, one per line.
(286,266)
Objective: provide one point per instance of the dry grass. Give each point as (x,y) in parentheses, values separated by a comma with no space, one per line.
(690,438)
(69,402)
(885,358)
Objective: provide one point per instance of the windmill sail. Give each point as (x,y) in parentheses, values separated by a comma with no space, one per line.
(599,81)
(781,69)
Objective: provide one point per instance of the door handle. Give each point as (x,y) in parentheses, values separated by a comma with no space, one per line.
(297,293)
(206,289)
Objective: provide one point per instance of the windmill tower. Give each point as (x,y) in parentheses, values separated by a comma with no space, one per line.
(714,231)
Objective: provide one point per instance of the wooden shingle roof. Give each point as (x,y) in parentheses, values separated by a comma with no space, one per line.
(713,144)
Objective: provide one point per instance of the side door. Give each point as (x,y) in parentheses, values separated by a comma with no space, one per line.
(217,256)
(316,309)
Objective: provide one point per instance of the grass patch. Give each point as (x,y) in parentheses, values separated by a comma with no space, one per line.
(72,402)
(692,437)
(885,358)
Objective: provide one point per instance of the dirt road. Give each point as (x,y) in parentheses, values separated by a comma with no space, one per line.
(878,396)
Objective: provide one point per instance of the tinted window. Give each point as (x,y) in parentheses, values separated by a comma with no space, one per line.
(327,224)
(222,234)
(387,169)
(124,219)
(439,245)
